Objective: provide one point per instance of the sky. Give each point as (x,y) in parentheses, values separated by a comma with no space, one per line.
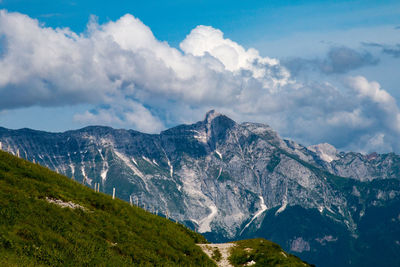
(315,71)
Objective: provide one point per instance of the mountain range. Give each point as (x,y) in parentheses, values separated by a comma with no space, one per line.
(48,219)
(231,181)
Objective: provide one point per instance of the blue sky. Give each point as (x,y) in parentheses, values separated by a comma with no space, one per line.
(243,21)
(316,71)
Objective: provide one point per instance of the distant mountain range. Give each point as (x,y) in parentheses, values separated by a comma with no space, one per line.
(231,181)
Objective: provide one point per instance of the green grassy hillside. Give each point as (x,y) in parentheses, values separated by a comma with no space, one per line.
(35,232)
(261,252)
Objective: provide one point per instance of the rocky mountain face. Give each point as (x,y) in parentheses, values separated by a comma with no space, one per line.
(231,181)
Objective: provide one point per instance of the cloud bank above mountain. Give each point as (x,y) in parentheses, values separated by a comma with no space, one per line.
(133,80)
(339,60)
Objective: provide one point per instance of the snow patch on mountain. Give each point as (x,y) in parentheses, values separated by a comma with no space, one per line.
(263,208)
(83,171)
(104,170)
(128,163)
(72,167)
(201,136)
(171,168)
(204,225)
(219,154)
(147,159)
(282,208)
(219,174)
(104,174)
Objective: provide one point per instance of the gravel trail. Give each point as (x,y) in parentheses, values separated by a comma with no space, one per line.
(223,248)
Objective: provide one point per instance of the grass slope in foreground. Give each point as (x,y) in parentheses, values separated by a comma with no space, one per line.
(34,232)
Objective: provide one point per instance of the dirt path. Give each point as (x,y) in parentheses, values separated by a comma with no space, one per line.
(223,249)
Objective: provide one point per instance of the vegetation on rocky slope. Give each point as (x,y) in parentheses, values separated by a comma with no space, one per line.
(106,232)
(261,252)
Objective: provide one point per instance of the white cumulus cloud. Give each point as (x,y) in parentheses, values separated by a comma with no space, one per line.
(133,80)
(206,39)
(121,63)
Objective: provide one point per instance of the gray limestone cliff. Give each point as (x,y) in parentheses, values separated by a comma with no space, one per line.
(225,179)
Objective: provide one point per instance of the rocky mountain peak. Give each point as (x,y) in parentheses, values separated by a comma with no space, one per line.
(216,126)
(211,115)
(214,117)
(372,156)
(325,151)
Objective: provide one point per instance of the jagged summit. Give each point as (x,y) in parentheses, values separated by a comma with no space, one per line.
(211,114)
(325,151)
(216,126)
(261,129)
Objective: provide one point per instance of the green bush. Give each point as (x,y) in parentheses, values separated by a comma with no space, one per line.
(216,255)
